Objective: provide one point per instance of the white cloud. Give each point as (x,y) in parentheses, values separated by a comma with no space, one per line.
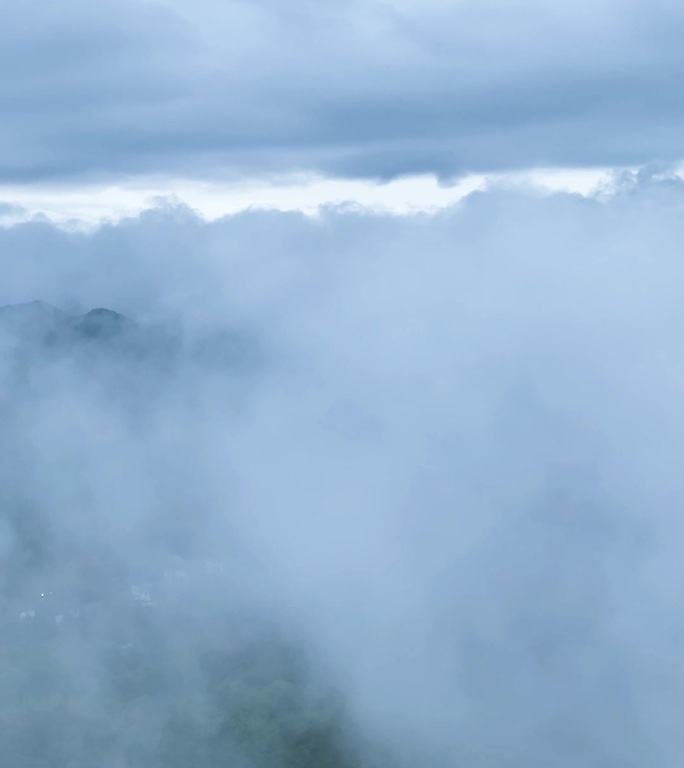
(459,468)
(88,206)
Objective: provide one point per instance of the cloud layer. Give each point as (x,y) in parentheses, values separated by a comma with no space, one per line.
(458,467)
(359,88)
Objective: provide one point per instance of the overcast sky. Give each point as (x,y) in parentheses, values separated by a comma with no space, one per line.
(223,90)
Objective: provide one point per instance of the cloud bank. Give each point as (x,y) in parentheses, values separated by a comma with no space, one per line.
(455,468)
(355,89)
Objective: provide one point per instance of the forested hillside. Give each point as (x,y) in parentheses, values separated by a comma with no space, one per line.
(135,652)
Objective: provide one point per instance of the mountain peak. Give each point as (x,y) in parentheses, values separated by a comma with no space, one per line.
(100,322)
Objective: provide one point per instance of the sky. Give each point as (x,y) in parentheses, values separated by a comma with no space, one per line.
(451,232)
(169,94)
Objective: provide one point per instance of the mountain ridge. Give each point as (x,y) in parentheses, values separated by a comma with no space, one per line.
(36,317)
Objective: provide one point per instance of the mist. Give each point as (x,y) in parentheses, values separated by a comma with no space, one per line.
(436,456)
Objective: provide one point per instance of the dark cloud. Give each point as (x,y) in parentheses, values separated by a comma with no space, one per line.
(358,88)
(457,469)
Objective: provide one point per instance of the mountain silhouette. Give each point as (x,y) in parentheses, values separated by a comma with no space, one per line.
(35,334)
(102,324)
(38,321)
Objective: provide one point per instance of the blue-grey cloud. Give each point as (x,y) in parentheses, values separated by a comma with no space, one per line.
(459,470)
(357,88)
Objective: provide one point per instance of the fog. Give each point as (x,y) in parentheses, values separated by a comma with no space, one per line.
(438,454)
